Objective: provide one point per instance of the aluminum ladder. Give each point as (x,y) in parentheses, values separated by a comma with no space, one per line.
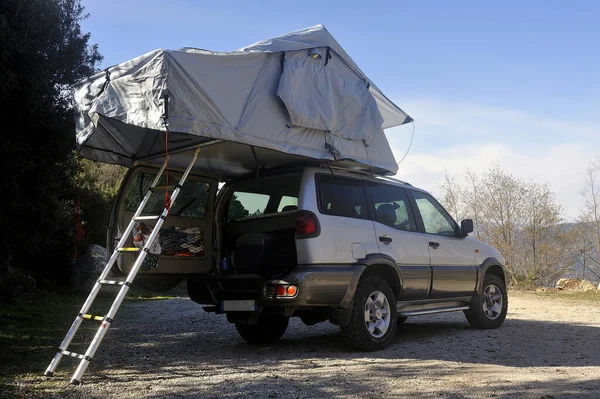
(125,284)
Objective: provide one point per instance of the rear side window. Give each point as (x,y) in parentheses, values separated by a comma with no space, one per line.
(340,196)
(191,201)
(264,196)
(391,206)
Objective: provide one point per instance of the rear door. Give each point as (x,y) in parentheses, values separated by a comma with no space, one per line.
(346,229)
(398,237)
(452,257)
(187,234)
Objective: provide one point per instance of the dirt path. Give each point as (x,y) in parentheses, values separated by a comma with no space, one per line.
(172,349)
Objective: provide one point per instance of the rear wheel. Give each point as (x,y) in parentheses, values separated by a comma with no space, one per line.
(155,284)
(373,319)
(267,330)
(488,309)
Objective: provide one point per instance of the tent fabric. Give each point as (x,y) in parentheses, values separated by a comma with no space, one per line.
(272,95)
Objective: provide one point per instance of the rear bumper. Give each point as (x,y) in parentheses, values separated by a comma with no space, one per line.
(318,285)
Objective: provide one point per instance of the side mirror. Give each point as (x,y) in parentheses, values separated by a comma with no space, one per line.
(466,227)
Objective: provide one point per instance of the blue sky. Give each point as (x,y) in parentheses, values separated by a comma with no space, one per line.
(515,83)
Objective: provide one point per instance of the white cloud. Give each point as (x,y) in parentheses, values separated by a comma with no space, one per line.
(455,137)
(446,122)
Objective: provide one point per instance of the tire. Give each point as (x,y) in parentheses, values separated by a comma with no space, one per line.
(268,330)
(373,317)
(488,308)
(153,284)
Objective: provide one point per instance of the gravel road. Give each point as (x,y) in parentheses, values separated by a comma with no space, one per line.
(173,349)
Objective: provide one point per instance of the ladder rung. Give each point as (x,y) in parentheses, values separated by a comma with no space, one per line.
(114,282)
(146,218)
(72,354)
(129,249)
(91,317)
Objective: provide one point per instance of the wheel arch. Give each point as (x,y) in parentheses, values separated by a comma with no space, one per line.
(386,268)
(492,266)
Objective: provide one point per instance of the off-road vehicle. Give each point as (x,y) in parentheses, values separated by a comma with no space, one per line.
(364,252)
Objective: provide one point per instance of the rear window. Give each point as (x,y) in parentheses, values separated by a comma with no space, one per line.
(191,201)
(340,196)
(267,195)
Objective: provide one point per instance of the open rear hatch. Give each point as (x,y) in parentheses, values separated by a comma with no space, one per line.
(186,237)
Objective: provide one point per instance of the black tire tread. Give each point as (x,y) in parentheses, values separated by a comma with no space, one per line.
(475,315)
(268,330)
(355,334)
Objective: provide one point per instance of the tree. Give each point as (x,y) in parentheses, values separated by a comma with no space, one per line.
(236,210)
(42,53)
(589,220)
(544,238)
(521,220)
(452,198)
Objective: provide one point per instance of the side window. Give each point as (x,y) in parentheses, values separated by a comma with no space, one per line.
(265,196)
(287,203)
(435,218)
(391,206)
(243,205)
(340,196)
(191,202)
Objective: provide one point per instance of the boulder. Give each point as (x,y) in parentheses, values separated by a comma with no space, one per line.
(586,285)
(573,284)
(87,268)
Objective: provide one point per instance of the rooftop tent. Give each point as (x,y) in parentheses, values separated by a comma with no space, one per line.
(297,98)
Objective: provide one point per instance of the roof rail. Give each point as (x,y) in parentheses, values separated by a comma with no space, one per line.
(364,172)
(397,180)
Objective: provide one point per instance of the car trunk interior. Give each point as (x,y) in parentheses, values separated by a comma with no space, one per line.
(259,229)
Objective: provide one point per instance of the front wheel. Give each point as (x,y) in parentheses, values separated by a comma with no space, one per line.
(488,309)
(373,319)
(267,330)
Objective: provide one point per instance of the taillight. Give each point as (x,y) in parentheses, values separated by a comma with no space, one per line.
(281,290)
(307,225)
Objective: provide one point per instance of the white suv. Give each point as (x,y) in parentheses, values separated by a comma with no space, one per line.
(319,243)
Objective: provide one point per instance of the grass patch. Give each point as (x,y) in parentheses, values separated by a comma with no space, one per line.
(30,333)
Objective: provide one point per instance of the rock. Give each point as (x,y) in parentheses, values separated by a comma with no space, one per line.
(573,284)
(87,268)
(586,285)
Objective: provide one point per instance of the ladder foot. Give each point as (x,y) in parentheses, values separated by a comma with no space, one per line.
(49,374)
(75,382)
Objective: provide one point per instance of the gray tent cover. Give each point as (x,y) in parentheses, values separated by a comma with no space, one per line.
(295,98)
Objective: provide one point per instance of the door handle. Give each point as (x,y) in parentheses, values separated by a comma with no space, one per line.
(385,239)
(434,244)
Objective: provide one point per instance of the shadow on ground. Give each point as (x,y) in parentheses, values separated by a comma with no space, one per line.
(175,344)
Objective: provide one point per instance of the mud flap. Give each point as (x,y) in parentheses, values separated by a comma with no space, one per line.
(340,317)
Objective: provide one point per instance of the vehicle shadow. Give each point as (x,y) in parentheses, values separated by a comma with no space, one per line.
(174,343)
(448,337)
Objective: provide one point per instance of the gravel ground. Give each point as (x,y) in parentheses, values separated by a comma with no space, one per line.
(173,349)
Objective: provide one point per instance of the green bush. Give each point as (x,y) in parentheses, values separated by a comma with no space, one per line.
(43,52)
